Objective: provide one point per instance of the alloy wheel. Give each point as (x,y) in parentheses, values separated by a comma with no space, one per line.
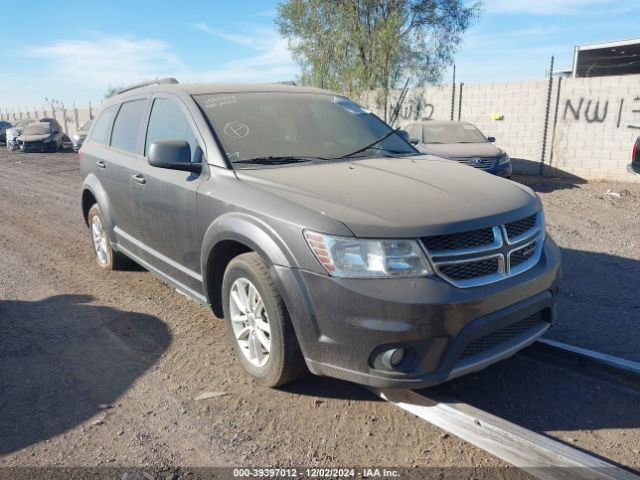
(99,236)
(250,322)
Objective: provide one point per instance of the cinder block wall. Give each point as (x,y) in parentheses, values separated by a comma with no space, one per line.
(591,137)
(597,122)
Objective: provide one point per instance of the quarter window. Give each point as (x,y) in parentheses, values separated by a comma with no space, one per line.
(102,129)
(126,128)
(168,122)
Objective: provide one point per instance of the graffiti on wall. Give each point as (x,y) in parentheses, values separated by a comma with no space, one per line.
(597,111)
(415,108)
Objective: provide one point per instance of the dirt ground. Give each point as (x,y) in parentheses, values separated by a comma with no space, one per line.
(599,234)
(102,369)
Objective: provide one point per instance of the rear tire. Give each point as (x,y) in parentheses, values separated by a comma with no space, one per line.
(106,257)
(258,323)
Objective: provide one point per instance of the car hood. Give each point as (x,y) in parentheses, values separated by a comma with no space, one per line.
(461,150)
(34,138)
(407,197)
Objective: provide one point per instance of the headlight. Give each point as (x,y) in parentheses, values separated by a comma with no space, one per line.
(76,137)
(504,158)
(349,257)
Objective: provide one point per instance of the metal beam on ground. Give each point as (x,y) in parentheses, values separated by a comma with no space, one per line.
(617,370)
(540,456)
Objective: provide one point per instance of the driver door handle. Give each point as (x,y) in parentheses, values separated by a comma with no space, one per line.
(101,164)
(139,178)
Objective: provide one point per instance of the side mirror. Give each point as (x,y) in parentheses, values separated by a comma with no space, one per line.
(173,155)
(414,140)
(491,139)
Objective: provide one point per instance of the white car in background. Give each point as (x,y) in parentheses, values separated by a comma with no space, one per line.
(14,132)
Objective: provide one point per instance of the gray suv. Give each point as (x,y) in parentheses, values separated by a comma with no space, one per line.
(323,237)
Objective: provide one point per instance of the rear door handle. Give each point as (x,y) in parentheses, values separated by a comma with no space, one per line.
(139,178)
(101,164)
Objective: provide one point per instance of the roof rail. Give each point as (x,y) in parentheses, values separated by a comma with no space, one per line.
(158,81)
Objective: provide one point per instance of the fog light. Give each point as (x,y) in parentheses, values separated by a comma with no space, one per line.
(394,357)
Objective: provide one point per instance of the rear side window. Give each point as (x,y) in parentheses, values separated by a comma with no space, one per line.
(126,128)
(102,129)
(168,122)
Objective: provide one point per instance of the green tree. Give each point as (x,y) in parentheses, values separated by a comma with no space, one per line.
(111,91)
(355,46)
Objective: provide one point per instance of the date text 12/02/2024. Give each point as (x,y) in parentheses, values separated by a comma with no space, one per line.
(314,473)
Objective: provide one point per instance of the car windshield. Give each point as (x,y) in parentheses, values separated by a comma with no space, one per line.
(270,128)
(37,129)
(452,133)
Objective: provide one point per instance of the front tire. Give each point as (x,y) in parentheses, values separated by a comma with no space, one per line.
(106,257)
(258,323)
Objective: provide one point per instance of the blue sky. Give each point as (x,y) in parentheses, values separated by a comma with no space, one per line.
(73,50)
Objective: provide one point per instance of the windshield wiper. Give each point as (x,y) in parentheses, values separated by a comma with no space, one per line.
(372,144)
(277,160)
(404,153)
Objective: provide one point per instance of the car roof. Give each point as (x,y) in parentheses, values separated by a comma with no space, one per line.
(215,88)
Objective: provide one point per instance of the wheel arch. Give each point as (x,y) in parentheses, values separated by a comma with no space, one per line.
(92,192)
(232,235)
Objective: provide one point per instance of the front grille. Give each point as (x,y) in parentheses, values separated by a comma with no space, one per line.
(523,254)
(499,337)
(477,162)
(471,269)
(486,255)
(517,228)
(457,241)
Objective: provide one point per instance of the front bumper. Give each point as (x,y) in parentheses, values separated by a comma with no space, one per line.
(502,170)
(37,146)
(345,326)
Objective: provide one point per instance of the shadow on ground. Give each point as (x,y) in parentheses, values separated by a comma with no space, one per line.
(62,358)
(546,179)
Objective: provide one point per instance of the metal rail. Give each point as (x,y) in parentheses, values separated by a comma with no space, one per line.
(539,456)
(158,81)
(600,365)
